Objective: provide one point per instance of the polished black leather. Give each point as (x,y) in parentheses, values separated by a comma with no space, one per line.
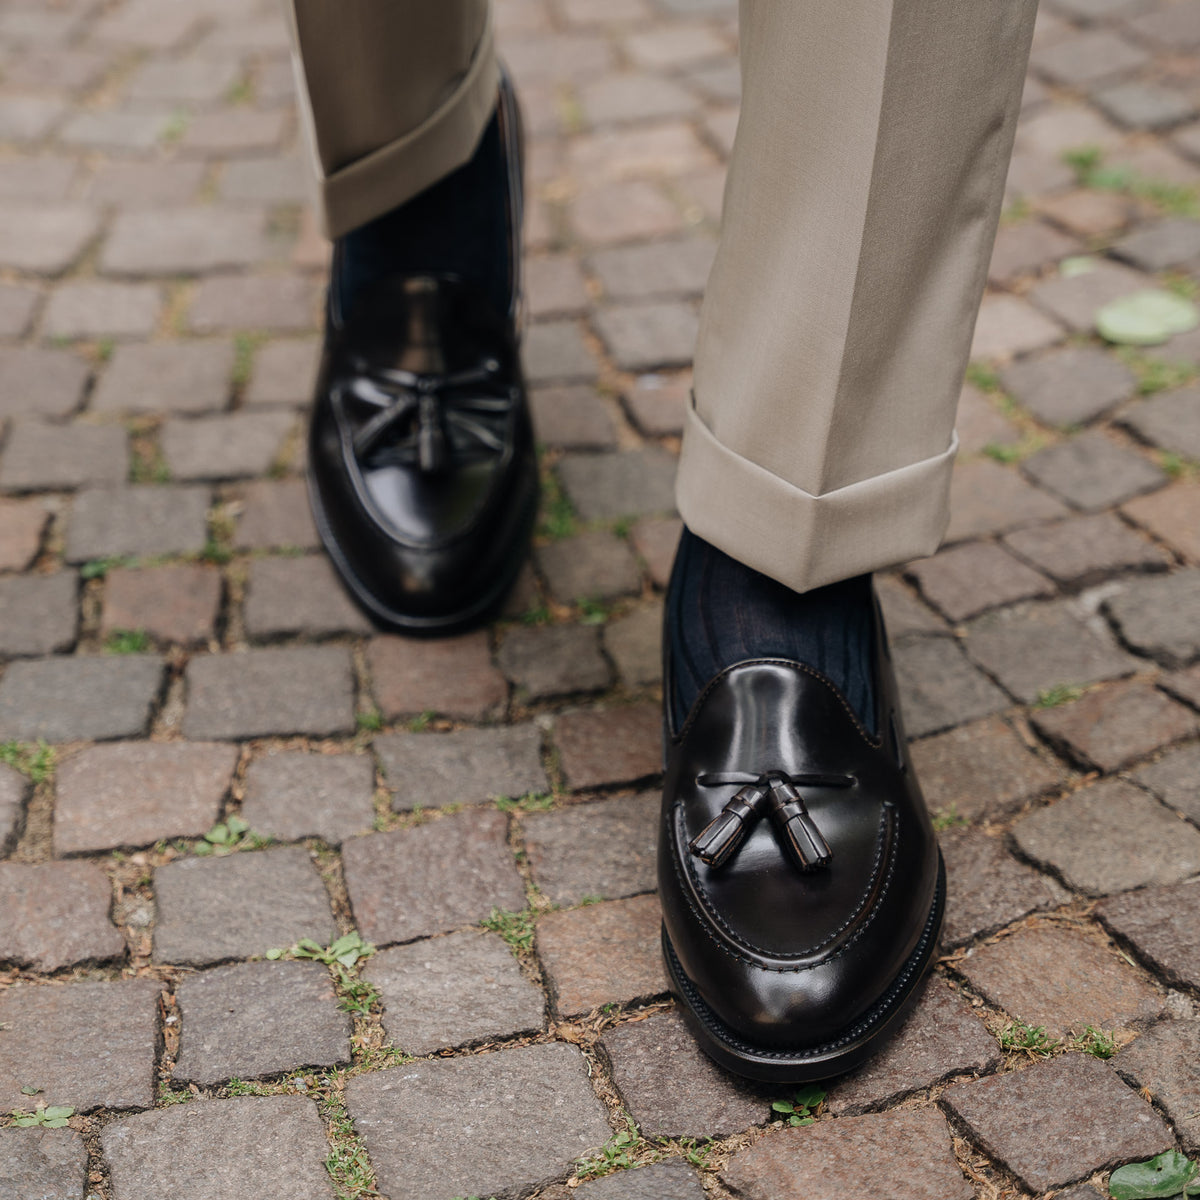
(789,967)
(421,464)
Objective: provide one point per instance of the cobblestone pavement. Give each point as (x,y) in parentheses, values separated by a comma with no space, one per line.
(211,756)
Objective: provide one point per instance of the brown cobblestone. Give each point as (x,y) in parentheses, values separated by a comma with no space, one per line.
(176,603)
(450,676)
(621,744)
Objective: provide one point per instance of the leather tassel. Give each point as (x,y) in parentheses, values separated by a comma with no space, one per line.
(432,452)
(796,829)
(717,841)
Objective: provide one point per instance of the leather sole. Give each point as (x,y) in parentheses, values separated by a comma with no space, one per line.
(401,622)
(858,1042)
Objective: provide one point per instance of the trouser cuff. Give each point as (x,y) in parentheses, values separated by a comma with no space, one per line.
(806,541)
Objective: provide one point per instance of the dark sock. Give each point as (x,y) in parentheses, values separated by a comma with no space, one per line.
(721,612)
(458,226)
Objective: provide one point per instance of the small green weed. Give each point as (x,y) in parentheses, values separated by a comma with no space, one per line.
(53,1117)
(370,721)
(347,1162)
(948,818)
(421,723)
(35,760)
(216,552)
(98,568)
(802,1108)
(531,802)
(1029,1039)
(617,1154)
(1097,1042)
(981,376)
(1004,452)
(242,1087)
(1060,693)
(127,641)
(227,836)
(1155,374)
(697,1151)
(343,957)
(558,514)
(1176,199)
(592,611)
(245,346)
(539,614)
(516,928)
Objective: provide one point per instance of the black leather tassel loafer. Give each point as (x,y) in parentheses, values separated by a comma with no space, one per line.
(801,883)
(422,472)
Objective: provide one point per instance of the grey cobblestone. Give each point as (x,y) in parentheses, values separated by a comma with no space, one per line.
(121,522)
(188,377)
(39,456)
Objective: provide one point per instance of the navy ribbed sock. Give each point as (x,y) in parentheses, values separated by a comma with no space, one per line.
(721,612)
(458,226)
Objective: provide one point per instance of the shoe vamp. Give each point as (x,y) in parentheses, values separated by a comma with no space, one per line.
(764,904)
(430,508)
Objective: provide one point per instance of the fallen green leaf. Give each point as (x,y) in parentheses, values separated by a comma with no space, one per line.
(1146,318)
(1078,264)
(1170,1174)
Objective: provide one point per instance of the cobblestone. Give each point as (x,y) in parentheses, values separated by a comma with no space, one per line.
(1175,779)
(603,954)
(1075,837)
(1110,727)
(1090,473)
(38,613)
(253,1019)
(274,692)
(667,268)
(269,1145)
(1161,924)
(13,788)
(714,1103)
(87,1045)
(844,1158)
(175,603)
(572,418)
(1166,1062)
(981,770)
(633,643)
(987,888)
(184,377)
(1070,386)
(555,352)
(1159,616)
(658,404)
(1168,243)
(606,486)
(1061,978)
(45,240)
(1009,326)
(40,456)
(453,677)
(292,794)
(643,337)
(275,303)
(939,688)
(40,383)
(290,596)
(594,565)
(988,498)
(661,1181)
(137,521)
(277,895)
(967,580)
(136,793)
(77,698)
(1082,551)
(224,447)
(464,766)
(1027,247)
(1170,420)
(603,849)
(182,241)
(1184,684)
(554,660)
(939,1037)
(1087,1120)
(103,310)
(530,1113)
(48,1163)
(56,915)
(399,886)
(1031,648)
(275,516)
(655,539)
(601,747)
(1076,299)
(425,1007)
(17,307)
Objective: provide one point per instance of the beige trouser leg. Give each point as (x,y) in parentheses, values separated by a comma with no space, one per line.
(862,201)
(395,94)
